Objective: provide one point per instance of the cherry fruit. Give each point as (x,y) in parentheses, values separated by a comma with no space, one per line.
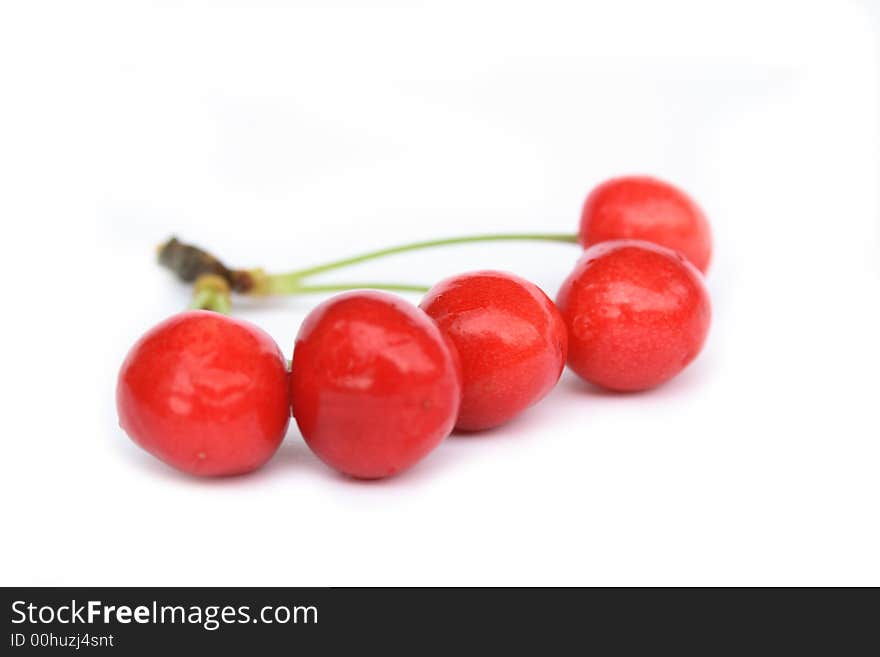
(510,338)
(375,385)
(644,208)
(205,393)
(637,314)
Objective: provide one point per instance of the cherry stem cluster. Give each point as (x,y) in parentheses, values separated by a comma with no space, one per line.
(214,282)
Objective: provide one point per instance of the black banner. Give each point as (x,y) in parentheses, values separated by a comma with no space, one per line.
(147,620)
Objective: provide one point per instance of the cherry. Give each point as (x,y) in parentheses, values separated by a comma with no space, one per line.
(510,338)
(375,386)
(640,207)
(637,314)
(205,393)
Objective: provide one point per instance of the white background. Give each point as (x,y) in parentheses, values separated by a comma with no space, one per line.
(282,136)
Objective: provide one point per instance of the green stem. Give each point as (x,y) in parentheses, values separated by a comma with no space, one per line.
(281,286)
(214,281)
(209,299)
(280,282)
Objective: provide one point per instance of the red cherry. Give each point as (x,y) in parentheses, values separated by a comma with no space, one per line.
(644,208)
(510,338)
(205,393)
(375,385)
(637,314)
